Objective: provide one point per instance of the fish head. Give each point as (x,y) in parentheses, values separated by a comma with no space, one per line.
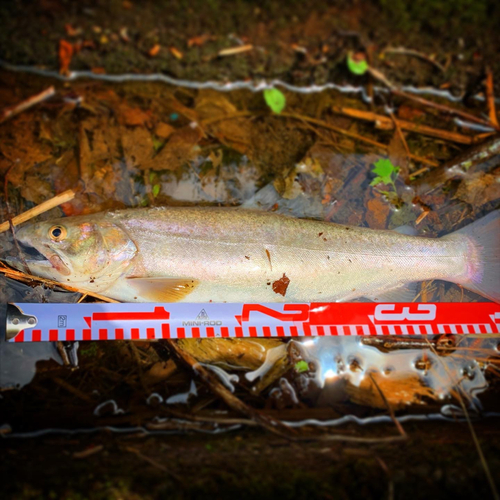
(78,250)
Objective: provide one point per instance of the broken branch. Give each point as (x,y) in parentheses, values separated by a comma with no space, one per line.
(39,209)
(28,103)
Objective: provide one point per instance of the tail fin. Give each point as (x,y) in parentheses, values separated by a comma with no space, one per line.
(484,274)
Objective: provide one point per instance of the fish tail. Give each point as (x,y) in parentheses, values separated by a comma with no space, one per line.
(483,257)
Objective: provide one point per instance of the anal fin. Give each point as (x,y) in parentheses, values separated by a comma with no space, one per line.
(163,289)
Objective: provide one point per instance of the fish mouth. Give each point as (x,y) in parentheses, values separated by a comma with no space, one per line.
(37,262)
(32,254)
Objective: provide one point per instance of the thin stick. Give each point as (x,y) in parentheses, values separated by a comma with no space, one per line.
(20,276)
(486,468)
(444,109)
(361,138)
(386,123)
(271,424)
(39,209)
(28,103)
(378,75)
(400,133)
(410,52)
(154,463)
(397,423)
(235,50)
(323,124)
(490,98)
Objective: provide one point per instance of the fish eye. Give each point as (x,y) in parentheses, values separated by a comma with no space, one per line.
(57,233)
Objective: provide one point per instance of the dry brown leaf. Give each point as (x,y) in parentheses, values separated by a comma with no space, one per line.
(377,212)
(241,353)
(164,130)
(178,151)
(137,146)
(236,133)
(24,152)
(479,189)
(398,155)
(134,117)
(400,391)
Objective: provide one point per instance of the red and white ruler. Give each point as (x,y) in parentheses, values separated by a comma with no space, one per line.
(68,322)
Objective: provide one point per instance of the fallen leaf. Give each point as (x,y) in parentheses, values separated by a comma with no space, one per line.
(377,212)
(397,154)
(400,391)
(137,146)
(164,130)
(65,55)
(280,286)
(230,352)
(235,133)
(178,151)
(198,41)
(133,117)
(153,51)
(479,189)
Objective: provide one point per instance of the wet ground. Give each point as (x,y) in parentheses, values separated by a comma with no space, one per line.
(156,431)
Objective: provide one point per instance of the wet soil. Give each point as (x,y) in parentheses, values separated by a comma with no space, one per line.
(438,461)
(298,42)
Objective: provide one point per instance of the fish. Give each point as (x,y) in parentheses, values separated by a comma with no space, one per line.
(205,254)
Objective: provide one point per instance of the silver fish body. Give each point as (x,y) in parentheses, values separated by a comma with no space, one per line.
(233,255)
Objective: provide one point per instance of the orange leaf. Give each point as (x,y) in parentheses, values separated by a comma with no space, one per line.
(65,54)
(153,51)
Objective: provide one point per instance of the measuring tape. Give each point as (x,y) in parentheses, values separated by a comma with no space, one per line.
(75,322)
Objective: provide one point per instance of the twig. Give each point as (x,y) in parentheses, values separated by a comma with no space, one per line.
(79,394)
(28,103)
(410,52)
(386,123)
(154,463)
(269,423)
(235,50)
(444,109)
(424,102)
(490,98)
(20,276)
(361,138)
(486,468)
(400,133)
(88,452)
(458,168)
(397,423)
(323,124)
(39,209)
(355,439)
(213,420)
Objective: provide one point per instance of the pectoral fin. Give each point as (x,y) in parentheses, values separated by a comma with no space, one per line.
(163,289)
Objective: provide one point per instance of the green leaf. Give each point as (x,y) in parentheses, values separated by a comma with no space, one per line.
(275,99)
(357,67)
(377,180)
(157,143)
(301,366)
(384,169)
(156,190)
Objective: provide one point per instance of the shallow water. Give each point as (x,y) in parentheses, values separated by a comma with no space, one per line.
(143,143)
